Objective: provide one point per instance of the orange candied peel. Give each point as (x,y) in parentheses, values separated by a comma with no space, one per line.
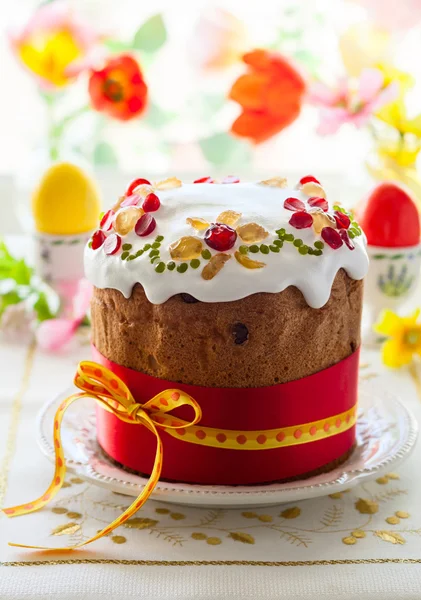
(228,217)
(252,233)
(168,184)
(126,219)
(198,223)
(311,188)
(214,265)
(247,262)
(186,248)
(280,182)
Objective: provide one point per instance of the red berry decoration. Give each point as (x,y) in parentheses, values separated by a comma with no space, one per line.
(220,237)
(145,225)
(204,180)
(309,178)
(151,203)
(107,220)
(112,244)
(294,204)
(331,237)
(301,220)
(346,239)
(98,239)
(318,203)
(135,183)
(342,220)
(231,179)
(132,200)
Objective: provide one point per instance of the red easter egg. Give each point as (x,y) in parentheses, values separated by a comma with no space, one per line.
(389,217)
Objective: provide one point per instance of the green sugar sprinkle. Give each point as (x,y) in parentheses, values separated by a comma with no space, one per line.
(317,252)
(195,263)
(254,248)
(171,266)
(139,252)
(206,254)
(127,246)
(159,238)
(310,250)
(319,245)
(131,257)
(281,231)
(182,268)
(264,249)
(160,268)
(154,253)
(243,249)
(289,237)
(154,258)
(156,245)
(278,243)
(298,243)
(147,247)
(90,244)
(124,255)
(101,214)
(274,248)
(351,234)
(303,249)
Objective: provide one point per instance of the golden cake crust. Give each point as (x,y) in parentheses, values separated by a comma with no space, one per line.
(199,343)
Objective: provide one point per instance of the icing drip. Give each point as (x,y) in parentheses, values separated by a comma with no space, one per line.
(263,205)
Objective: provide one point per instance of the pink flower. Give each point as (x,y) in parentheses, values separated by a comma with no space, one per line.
(53,334)
(349,103)
(55,45)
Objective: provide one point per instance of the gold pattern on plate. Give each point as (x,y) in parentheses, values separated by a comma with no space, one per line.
(239,536)
(358,533)
(392,476)
(77,480)
(382,480)
(215,541)
(393,520)
(349,541)
(249,515)
(197,535)
(59,510)
(402,514)
(365,506)
(291,513)
(14,421)
(162,511)
(119,539)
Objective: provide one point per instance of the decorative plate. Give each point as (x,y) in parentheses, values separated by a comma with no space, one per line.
(386,434)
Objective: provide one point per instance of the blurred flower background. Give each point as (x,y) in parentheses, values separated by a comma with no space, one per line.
(205,86)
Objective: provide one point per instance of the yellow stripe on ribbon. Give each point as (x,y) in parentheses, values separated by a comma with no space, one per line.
(111,392)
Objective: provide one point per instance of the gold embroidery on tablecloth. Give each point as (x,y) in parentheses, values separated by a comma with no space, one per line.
(14,421)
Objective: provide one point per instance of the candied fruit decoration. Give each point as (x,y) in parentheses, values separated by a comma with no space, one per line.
(280,182)
(220,237)
(126,219)
(132,200)
(151,203)
(315,202)
(186,248)
(189,299)
(112,244)
(308,179)
(331,237)
(204,180)
(294,204)
(321,219)
(136,183)
(231,179)
(107,220)
(229,217)
(252,233)
(197,223)
(98,238)
(215,264)
(168,184)
(342,220)
(346,239)
(313,189)
(145,225)
(301,220)
(247,262)
(240,333)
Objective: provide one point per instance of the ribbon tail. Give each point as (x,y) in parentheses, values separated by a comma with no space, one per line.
(60,466)
(131,510)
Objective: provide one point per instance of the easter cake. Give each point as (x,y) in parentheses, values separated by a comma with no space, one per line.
(246,296)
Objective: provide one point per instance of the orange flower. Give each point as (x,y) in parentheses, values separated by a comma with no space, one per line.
(270,95)
(119,89)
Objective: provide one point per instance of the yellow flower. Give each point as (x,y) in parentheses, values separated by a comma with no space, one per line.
(405,338)
(54,45)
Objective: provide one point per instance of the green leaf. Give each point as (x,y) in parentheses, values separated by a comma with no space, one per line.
(117,45)
(8,299)
(225,151)
(104,155)
(21,273)
(42,308)
(151,35)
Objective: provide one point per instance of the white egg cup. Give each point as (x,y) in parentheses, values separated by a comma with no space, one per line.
(59,262)
(392,277)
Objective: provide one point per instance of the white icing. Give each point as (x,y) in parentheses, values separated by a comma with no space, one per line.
(313,275)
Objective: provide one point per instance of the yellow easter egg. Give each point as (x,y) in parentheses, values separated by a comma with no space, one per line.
(66,201)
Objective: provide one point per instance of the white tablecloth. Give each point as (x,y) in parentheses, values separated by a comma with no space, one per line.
(298,550)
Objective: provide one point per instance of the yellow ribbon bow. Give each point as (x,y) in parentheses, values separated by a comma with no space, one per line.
(112,393)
